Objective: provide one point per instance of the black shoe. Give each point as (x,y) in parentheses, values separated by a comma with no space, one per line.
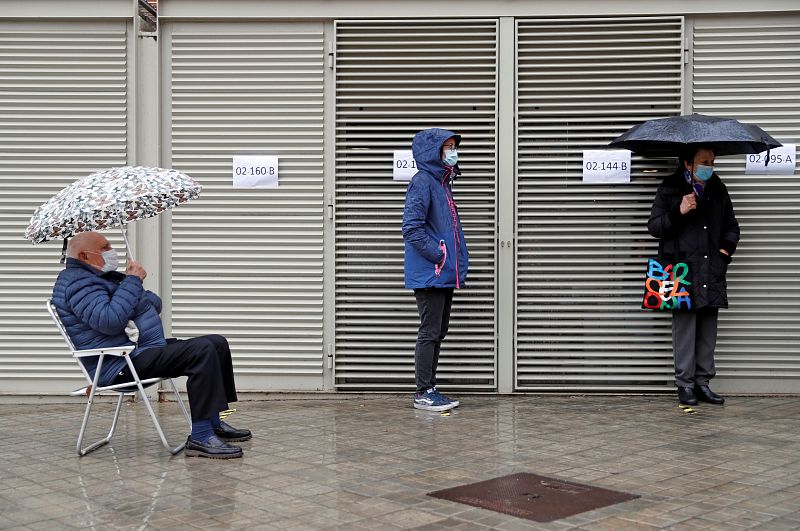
(705,394)
(215,448)
(228,433)
(686,396)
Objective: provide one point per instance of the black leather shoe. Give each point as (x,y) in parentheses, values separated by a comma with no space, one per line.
(705,394)
(228,433)
(686,396)
(215,448)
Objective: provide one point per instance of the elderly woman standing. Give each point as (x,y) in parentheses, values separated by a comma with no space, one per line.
(693,218)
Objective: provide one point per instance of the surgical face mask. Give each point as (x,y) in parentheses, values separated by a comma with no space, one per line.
(450,157)
(110,260)
(703,173)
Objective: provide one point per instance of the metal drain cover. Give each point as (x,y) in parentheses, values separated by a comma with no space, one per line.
(533,497)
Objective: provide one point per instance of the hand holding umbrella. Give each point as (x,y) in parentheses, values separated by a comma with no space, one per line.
(135,268)
(688,203)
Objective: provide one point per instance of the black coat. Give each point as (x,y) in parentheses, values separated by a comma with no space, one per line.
(698,236)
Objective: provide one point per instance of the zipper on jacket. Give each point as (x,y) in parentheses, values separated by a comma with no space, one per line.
(453,213)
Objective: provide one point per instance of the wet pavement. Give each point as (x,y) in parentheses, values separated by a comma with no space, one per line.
(368,462)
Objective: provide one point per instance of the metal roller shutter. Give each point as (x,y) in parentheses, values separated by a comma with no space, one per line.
(749,69)
(394,78)
(581,248)
(63,114)
(248,263)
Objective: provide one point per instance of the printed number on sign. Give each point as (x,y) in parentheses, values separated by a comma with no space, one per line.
(606,166)
(255,170)
(773,159)
(406,164)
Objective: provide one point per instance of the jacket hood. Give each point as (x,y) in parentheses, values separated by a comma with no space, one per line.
(427,149)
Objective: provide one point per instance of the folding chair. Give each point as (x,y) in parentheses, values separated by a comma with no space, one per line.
(130,388)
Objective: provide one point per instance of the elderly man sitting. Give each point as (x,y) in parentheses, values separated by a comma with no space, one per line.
(95,303)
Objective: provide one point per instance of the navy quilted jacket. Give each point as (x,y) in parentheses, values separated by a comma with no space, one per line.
(95,307)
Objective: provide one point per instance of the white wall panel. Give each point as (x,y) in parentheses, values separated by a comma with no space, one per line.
(63,115)
(247,263)
(749,69)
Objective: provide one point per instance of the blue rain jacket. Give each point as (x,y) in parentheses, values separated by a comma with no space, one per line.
(431,217)
(95,307)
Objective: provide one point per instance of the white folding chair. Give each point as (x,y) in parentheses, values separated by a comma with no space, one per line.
(130,388)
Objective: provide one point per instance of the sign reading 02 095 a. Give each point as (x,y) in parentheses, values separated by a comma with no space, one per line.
(255,171)
(777,161)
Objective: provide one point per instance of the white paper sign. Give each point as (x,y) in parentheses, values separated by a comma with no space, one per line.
(405,167)
(255,171)
(781,161)
(607,166)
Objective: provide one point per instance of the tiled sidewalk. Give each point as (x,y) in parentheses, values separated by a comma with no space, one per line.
(368,462)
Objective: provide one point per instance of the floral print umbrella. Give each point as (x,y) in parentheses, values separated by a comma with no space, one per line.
(110,198)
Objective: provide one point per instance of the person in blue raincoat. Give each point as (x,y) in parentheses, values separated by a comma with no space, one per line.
(436,257)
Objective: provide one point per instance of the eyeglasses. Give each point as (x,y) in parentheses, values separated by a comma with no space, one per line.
(449,147)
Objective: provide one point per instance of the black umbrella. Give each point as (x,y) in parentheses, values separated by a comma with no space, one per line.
(669,137)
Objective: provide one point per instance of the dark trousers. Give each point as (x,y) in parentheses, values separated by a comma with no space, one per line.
(434,306)
(694,338)
(206,360)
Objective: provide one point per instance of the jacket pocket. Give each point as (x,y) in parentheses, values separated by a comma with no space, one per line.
(437,268)
(719,267)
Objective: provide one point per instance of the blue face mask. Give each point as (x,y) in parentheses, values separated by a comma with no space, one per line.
(703,173)
(450,157)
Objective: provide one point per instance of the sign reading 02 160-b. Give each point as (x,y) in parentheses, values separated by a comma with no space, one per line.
(255,171)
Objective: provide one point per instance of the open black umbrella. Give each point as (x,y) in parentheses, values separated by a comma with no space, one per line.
(669,137)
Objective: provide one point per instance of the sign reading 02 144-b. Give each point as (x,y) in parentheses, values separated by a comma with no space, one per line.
(255,171)
(606,166)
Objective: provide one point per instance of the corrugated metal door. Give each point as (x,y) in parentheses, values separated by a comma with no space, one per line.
(394,78)
(63,114)
(247,263)
(581,248)
(747,68)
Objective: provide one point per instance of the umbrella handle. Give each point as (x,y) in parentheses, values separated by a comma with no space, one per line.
(765,142)
(128,253)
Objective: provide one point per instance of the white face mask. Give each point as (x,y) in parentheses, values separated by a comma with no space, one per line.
(110,260)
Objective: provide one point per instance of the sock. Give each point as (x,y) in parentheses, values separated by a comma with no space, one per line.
(201,430)
(215,421)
